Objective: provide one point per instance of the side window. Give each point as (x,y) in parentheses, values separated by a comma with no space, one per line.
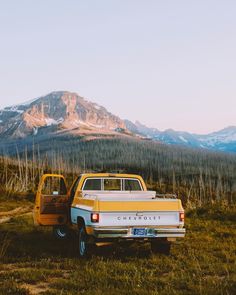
(93,184)
(132,185)
(54,186)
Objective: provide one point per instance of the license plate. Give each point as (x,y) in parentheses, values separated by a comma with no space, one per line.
(140,231)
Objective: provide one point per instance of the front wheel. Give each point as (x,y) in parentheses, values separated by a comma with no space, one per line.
(161,247)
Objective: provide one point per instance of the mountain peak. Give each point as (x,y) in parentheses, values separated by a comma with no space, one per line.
(67,111)
(61,112)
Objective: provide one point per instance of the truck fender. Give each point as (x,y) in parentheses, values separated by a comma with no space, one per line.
(80,221)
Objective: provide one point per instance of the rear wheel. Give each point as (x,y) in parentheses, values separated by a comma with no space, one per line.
(84,248)
(60,232)
(162,247)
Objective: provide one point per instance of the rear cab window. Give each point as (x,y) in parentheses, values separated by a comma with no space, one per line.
(112,184)
(132,185)
(92,184)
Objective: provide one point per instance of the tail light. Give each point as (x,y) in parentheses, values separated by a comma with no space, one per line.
(181,216)
(94,217)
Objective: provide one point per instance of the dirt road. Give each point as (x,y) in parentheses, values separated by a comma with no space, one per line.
(19,211)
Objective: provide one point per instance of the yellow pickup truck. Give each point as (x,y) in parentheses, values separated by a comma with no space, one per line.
(103,207)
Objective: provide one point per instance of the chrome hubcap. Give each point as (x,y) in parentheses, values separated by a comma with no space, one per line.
(82,242)
(61,233)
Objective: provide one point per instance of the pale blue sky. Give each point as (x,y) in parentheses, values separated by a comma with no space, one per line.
(167,63)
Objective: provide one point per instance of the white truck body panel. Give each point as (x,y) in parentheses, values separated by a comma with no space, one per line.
(139,219)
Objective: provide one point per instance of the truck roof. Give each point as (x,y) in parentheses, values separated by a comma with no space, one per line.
(118,175)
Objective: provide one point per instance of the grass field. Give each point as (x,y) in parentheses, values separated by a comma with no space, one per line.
(33,262)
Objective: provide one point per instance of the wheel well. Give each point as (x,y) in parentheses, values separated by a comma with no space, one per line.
(80,221)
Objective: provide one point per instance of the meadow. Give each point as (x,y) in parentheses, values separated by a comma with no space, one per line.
(33,262)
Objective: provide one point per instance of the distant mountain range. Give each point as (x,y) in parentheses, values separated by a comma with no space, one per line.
(223,140)
(63,112)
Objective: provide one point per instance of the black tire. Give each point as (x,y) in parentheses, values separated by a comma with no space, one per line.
(161,247)
(60,232)
(84,248)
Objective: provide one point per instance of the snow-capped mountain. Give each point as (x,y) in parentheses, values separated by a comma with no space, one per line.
(64,112)
(223,140)
(59,111)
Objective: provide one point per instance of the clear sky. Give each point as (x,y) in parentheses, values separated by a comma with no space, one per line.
(166,63)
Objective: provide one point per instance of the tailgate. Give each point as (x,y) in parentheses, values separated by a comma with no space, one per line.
(148,205)
(149,212)
(167,218)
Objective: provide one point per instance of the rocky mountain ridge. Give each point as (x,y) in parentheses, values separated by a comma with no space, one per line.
(63,112)
(223,140)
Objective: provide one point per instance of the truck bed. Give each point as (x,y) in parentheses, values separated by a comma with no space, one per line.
(123,213)
(109,201)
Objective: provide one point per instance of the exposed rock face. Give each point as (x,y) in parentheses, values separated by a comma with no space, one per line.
(63,110)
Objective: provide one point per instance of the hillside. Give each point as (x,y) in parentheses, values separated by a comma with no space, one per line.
(197,176)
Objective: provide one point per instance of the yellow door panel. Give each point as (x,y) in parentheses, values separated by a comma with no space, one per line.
(51,204)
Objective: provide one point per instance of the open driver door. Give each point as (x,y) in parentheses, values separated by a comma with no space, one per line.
(51,203)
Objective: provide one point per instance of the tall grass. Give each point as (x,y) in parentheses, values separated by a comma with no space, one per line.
(4,245)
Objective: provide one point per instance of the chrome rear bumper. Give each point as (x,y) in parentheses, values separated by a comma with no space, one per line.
(128,233)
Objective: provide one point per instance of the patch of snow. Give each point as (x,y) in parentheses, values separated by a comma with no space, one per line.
(60,120)
(83,123)
(50,121)
(183,139)
(79,122)
(28,102)
(13,109)
(229,138)
(97,126)
(35,130)
(97,107)
(75,123)
(220,138)
(0,121)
